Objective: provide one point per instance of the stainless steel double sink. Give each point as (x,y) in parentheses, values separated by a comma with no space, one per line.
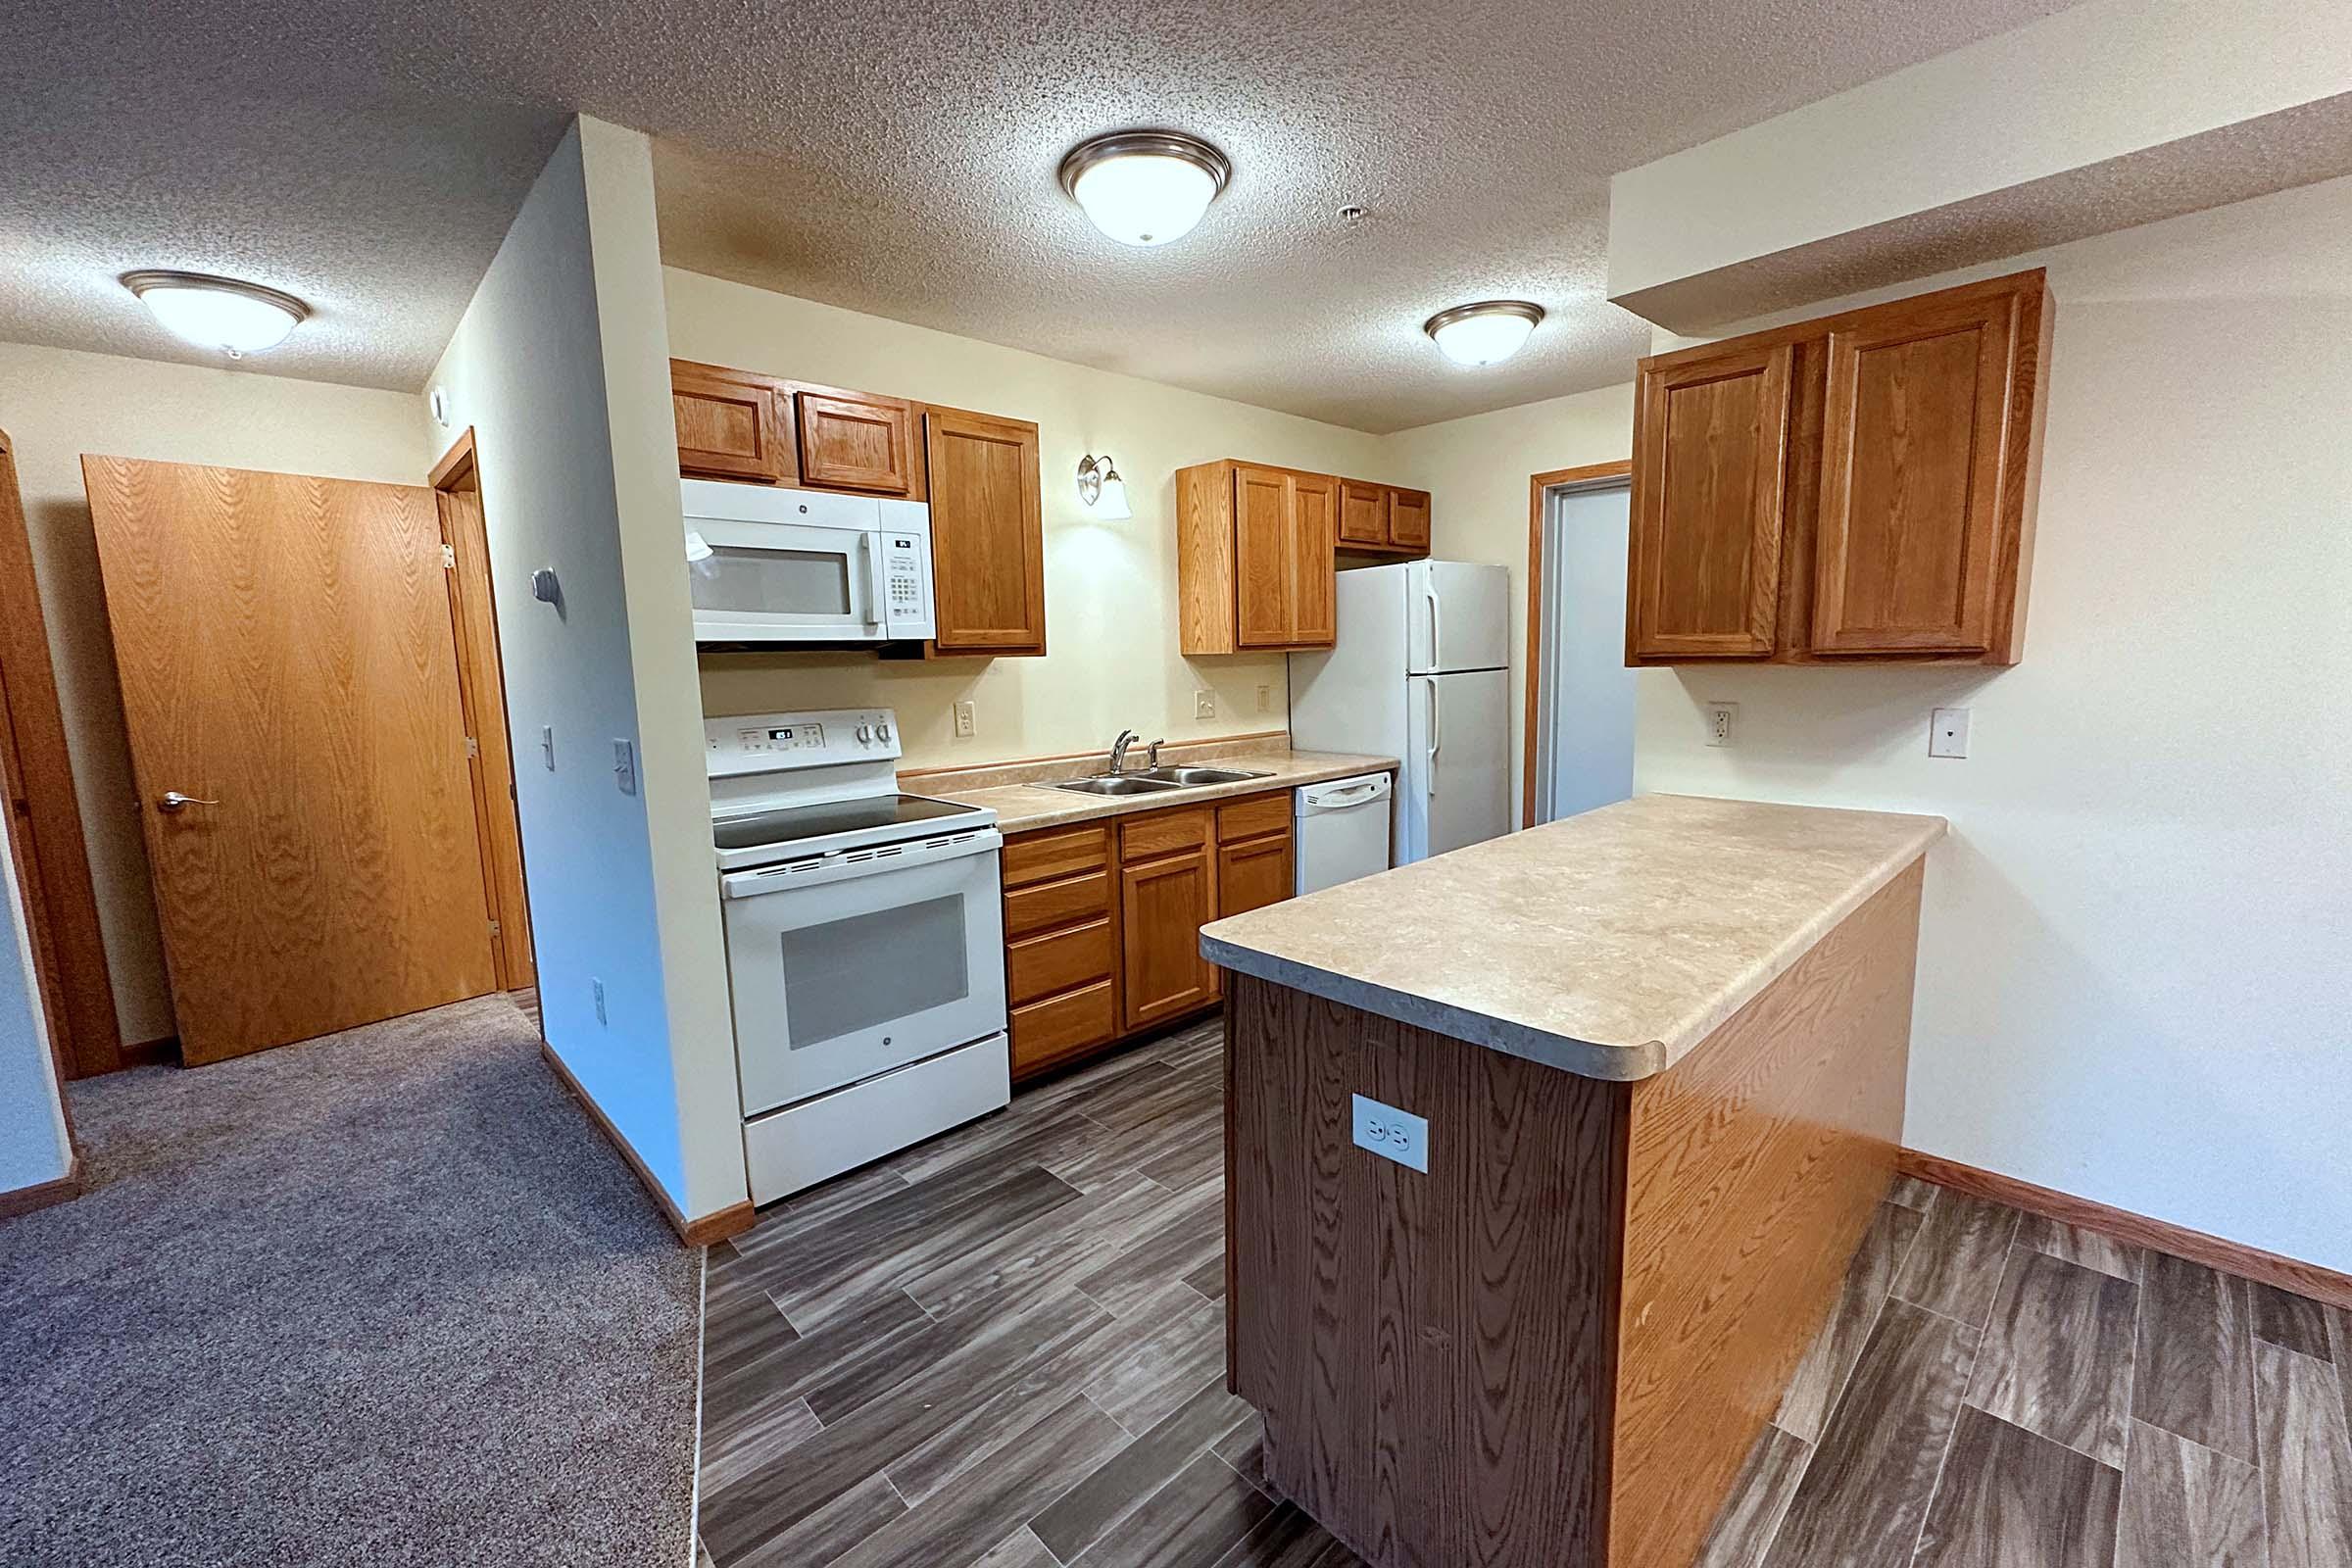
(1155,780)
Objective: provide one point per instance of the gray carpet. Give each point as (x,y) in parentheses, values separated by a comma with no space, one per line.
(384,1298)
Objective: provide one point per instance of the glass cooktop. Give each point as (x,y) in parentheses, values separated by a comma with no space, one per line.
(796,825)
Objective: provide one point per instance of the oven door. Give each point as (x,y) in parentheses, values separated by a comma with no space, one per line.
(786,582)
(846,965)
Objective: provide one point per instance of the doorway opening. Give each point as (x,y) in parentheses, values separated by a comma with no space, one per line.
(1579,693)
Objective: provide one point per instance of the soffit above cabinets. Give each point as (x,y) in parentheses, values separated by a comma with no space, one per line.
(900,159)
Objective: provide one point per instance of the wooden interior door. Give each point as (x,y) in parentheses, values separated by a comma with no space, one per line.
(1913,445)
(1709,501)
(1261,558)
(988,540)
(1315,563)
(286,659)
(482,697)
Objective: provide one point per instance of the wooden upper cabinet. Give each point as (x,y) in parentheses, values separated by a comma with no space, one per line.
(1363,513)
(1915,463)
(1860,486)
(1314,589)
(1710,457)
(857,441)
(988,544)
(1408,518)
(1256,558)
(733,424)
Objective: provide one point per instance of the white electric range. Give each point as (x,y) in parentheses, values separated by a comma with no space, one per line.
(865,945)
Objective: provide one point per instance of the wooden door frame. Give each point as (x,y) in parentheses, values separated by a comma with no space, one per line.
(459,469)
(62,900)
(1591,475)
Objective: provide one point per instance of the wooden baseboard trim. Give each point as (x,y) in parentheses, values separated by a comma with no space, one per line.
(705,1231)
(41,1195)
(2231,1257)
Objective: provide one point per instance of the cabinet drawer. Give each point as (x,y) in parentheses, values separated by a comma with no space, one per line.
(1055,853)
(1254,818)
(1058,961)
(1158,833)
(1046,1032)
(1029,911)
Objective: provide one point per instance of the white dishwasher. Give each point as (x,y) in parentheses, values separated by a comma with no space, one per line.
(1343,830)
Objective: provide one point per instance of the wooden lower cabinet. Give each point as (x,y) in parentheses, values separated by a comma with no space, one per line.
(1103,920)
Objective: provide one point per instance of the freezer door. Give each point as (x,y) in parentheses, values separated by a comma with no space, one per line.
(1456,787)
(1458,616)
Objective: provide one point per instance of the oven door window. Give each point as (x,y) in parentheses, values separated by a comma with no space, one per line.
(789,582)
(862,971)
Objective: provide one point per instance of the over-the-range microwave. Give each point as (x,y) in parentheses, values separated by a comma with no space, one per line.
(770,565)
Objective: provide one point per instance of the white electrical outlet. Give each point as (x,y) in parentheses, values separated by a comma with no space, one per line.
(1391,1134)
(547,745)
(1948,733)
(1205,704)
(625,767)
(967,721)
(1265,698)
(1723,722)
(598,987)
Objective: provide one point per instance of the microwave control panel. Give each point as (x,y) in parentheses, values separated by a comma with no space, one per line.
(903,557)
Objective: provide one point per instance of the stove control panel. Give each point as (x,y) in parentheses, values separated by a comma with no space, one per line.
(776,743)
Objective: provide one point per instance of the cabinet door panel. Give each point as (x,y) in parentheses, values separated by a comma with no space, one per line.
(1314,559)
(1261,558)
(730,425)
(1252,875)
(1162,908)
(1363,513)
(1710,465)
(1914,439)
(987,533)
(1408,518)
(853,442)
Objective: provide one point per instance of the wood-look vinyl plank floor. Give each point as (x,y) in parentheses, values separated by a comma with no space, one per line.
(1004,1349)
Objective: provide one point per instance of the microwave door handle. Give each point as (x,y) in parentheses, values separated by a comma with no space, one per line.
(877,593)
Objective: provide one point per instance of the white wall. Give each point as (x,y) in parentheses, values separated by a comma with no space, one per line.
(2135,944)
(33,1147)
(550,365)
(1477,471)
(1110,587)
(57,405)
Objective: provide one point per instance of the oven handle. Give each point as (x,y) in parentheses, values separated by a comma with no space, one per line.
(877,591)
(839,867)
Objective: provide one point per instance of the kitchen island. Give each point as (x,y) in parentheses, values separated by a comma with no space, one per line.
(1545,1161)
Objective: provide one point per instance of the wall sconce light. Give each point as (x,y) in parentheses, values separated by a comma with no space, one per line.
(1101,487)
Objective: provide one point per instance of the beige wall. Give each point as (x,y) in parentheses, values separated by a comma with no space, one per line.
(2135,940)
(1110,587)
(57,405)
(1477,471)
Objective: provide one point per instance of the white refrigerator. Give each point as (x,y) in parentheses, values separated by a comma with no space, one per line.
(1421,673)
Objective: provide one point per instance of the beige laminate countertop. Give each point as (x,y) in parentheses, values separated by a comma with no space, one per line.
(1606,945)
(1025,805)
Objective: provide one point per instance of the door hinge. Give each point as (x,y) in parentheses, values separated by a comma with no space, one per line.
(474,748)
(449,557)
(494,931)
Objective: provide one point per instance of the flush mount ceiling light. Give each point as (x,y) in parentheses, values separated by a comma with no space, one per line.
(1485,334)
(219,313)
(1145,187)
(1101,487)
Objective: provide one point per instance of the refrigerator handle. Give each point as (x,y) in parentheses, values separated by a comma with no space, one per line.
(1436,739)
(1429,592)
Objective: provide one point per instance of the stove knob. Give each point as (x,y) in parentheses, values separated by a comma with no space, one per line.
(865,734)
(882,733)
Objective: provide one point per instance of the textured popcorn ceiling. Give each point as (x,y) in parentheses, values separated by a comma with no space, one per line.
(898,158)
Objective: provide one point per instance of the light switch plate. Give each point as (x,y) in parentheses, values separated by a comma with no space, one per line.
(1391,1134)
(1205,704)
(1948,733)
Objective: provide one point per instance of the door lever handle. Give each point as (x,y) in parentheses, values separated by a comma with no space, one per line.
(173,801)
